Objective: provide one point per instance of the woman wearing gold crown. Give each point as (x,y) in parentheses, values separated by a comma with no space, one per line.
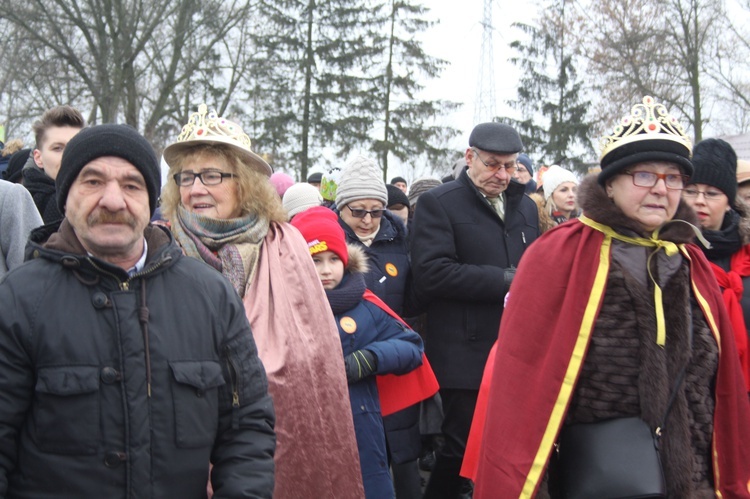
(224,211)
(633,336)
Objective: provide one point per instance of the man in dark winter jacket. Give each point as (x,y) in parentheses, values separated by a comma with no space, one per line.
(127,367)
(52,132)
(467,238)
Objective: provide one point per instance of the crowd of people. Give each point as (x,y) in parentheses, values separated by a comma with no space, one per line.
(235,333)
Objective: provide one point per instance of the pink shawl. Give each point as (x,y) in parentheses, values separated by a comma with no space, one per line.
(298,342)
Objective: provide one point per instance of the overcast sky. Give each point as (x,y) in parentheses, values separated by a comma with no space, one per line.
(457,38)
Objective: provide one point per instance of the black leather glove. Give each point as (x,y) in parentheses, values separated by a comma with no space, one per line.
(359,365)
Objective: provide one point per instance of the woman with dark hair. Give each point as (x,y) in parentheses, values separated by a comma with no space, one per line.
(725,222)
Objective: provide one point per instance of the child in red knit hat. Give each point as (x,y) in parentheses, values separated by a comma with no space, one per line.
(372,340)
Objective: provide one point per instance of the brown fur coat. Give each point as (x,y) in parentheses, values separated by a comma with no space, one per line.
(626,373)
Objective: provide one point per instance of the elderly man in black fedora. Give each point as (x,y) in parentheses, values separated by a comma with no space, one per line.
(468,237)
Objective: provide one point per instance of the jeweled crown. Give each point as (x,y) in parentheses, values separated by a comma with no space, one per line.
(202,125)
(647,121)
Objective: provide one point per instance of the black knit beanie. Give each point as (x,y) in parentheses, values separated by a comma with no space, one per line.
(122,141)
(15,165)
(396,196)
(715,164)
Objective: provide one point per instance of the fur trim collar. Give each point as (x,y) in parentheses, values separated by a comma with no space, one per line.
(596,205)
(357,259)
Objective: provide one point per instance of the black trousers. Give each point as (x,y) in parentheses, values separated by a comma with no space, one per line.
(458,411)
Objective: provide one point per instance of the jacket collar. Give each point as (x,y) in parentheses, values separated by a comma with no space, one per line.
(57,242)
(513,194)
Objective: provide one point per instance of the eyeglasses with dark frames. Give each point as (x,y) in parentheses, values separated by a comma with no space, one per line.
(673,181)
(362,213)
(509,167)
(209,177)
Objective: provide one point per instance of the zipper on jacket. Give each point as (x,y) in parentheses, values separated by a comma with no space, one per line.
(125,285)
(234,380)
(146,271)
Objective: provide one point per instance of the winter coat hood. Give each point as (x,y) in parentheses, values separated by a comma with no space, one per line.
(357,260)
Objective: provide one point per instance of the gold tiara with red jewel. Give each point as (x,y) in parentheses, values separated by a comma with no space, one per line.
(646,121)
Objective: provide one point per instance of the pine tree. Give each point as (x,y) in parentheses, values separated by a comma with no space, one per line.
(315,82)
(554,128)
(404,119)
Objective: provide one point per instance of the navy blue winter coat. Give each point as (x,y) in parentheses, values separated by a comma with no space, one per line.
(388,259)
(365,326)
(388,276)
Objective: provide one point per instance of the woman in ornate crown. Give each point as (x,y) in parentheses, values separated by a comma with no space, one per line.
(632,314)
(224,211)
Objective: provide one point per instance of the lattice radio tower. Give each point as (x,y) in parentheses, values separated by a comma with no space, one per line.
(484,105)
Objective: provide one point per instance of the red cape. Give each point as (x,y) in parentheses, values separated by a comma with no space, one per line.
(534,375)
(405,390)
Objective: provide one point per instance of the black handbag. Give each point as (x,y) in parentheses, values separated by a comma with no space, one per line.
(613,459)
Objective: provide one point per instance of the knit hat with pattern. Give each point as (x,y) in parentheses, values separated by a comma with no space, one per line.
(420,186)
(361,178)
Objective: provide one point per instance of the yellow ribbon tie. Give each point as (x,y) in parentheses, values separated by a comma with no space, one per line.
(669,248)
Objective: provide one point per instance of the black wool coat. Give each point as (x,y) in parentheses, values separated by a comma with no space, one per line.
(460,250)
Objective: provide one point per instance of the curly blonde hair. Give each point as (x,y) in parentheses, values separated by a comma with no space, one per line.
(11,147)
(256,194)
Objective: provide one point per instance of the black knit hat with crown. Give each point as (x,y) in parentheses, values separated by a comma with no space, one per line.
(715,164)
